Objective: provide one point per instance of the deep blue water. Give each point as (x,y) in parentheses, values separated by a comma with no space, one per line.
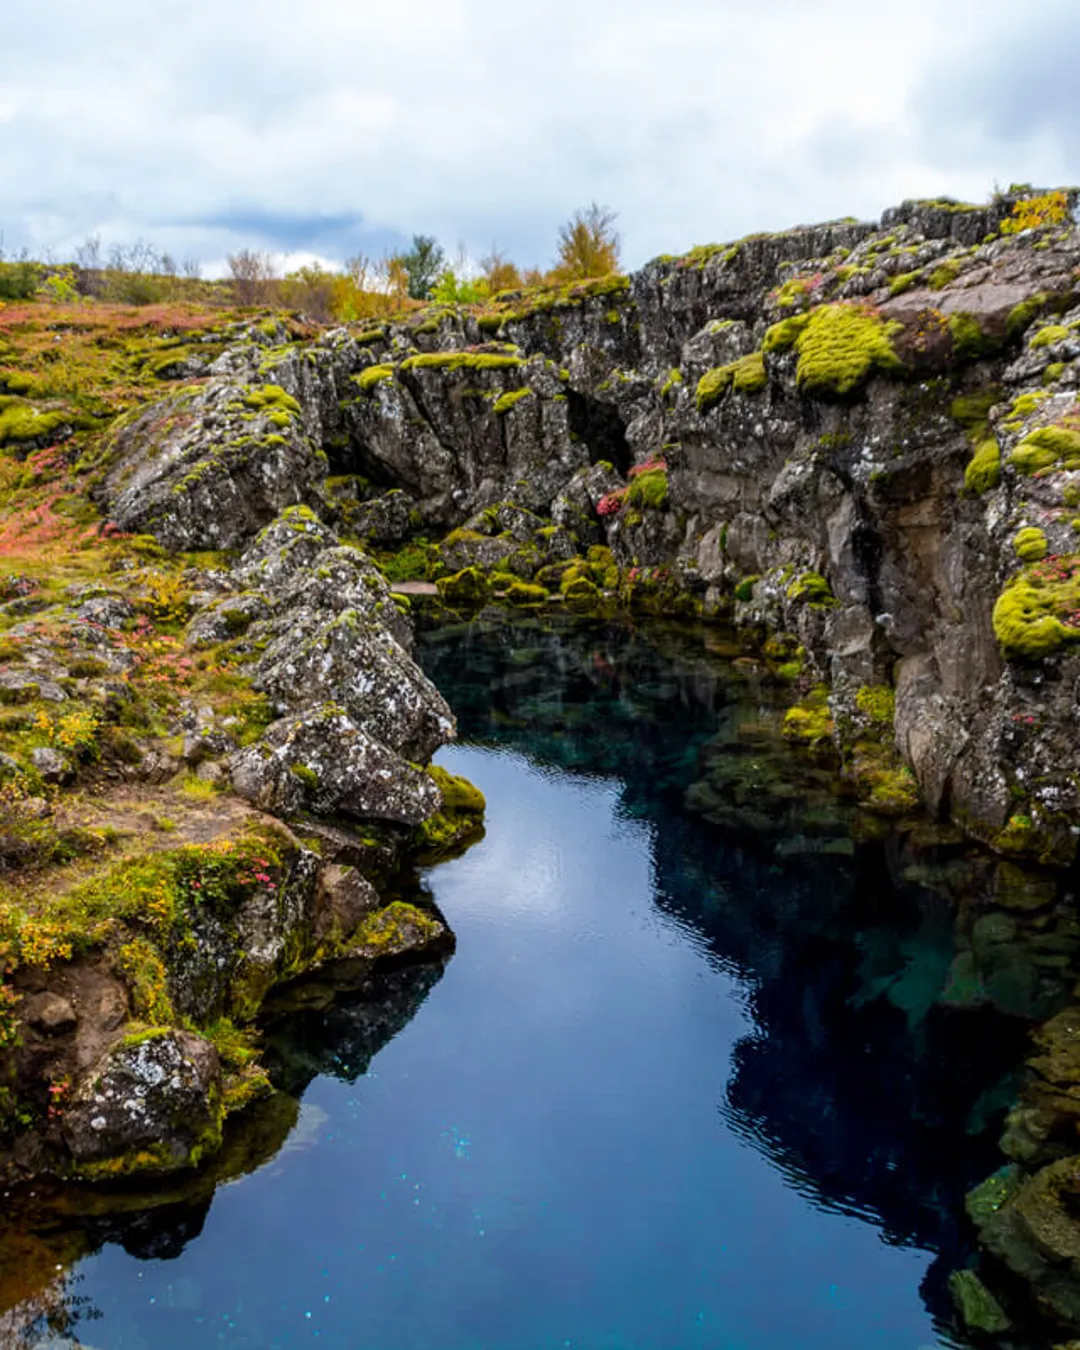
(700,1073)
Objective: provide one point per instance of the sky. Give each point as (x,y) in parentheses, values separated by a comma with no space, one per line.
(336,127)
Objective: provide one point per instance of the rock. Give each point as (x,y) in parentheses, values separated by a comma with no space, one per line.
(385,520)
(53,766)
(49,1014)
(322,761)
(353,662)
(150,1106)
(106,611)
(979,1309)
(345,897)
(467,589)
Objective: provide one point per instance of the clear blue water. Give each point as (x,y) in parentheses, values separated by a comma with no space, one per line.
(697,1076)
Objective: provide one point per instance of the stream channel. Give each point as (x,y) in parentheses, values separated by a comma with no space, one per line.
(712,1067)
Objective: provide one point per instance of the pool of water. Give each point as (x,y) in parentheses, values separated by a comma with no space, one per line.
(713,1064)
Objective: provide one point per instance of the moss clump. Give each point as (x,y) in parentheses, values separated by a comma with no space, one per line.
(984,469)
(524,593)
(1053,372)
(810,721)
(367,380)
(397,928)
(1030,545)
(20,422)
(746,376)
(1022,316)
(969,342)
(578,590)
(1047,448)
(271,398)
(841,347)
(744,591)
(461,817)
(674,379)
(467,589)
(812,588)
(972,411)
(649,490)
(510,399)
(782,336)
(472,361)
(878,703)
(1039,611)
(1046,337)
(903,282)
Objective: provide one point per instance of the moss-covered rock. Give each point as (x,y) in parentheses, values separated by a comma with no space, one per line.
(1039,610)
(467,589)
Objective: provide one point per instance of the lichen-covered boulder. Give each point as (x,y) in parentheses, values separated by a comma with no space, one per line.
(387,520)
(321,761)
(349,661)
(207,468)
(152,1104)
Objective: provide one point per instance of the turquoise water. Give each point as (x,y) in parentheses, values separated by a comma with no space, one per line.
(699,1075)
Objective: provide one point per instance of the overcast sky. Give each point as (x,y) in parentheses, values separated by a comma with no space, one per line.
(333,127)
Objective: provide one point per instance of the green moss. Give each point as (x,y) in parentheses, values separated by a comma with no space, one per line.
(1030,545)
(460,818)
(649,490)
(1053,372)
(1025,404)
(578,590)
(372,376)
(782,336)
(21,422)
(969,342)
(878,703)
(303,774)
(744,591)
(841,347)
(272,398)
(1046,337)
(674,379)
(903,282)
(811,587)
(453,361)
(524,593)
(467,589)
(1039,611)
(1023,315)
(810,722)
(984,469)
(945,273)
(746,375)
(1046,448)
(510,399)
(972,411)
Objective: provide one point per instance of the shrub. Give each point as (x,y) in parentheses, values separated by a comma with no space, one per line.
(588,245)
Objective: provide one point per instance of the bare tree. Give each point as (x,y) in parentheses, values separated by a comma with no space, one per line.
(253,275)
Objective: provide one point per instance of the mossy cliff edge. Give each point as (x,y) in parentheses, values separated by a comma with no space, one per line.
(214,763)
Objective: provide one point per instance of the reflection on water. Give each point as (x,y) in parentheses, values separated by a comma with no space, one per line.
(710,1035)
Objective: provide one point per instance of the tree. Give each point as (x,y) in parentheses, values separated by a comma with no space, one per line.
(588,245)
(499,273)
(252,276)
(423,264)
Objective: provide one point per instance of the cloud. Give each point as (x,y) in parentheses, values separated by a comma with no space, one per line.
(340,127)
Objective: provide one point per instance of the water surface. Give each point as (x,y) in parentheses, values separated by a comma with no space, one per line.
(713,1064)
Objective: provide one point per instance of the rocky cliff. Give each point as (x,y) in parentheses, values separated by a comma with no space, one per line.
(861,440)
